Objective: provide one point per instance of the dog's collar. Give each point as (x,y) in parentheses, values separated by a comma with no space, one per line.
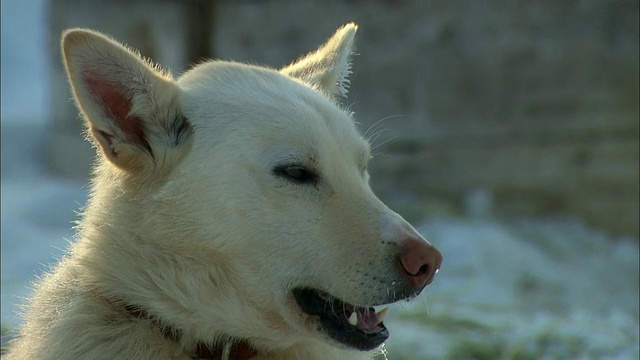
(230,350)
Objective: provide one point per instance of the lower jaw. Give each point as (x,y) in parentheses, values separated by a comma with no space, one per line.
(354,339)
(315,303)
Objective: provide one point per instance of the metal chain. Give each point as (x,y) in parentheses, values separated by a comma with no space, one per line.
(226,351)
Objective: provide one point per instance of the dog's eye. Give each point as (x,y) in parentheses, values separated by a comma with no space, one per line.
(297,174)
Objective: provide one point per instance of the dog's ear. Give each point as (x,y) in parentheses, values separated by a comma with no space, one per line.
(132,109)
(328,68)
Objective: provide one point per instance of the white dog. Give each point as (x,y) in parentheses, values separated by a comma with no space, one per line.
(230,217)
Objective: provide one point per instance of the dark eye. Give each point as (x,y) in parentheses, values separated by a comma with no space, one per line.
(297,174)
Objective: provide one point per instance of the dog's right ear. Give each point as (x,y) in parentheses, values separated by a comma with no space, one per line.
(132,109)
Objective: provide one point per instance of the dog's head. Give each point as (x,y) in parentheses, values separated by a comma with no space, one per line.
(250,186)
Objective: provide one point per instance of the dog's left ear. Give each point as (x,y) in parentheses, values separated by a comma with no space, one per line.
(327,69)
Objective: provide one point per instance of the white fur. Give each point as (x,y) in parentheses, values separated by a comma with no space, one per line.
(192,224)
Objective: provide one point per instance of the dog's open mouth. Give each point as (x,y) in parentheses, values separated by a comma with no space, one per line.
(356,327)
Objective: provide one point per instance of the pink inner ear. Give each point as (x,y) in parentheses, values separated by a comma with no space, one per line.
(117,106)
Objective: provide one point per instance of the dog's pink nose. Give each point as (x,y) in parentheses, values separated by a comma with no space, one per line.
(420,261)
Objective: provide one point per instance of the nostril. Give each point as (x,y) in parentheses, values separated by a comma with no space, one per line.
(424,269)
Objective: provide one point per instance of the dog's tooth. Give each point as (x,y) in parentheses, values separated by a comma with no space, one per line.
(380,315)
(353,319)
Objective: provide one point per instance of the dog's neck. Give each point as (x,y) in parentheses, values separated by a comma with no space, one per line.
(230,350)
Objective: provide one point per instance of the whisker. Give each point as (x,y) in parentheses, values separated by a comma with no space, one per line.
(384,142)
(374,136)
(426,305)
(372,127)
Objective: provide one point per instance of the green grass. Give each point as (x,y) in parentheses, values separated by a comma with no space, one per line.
(473,340)
(444,322)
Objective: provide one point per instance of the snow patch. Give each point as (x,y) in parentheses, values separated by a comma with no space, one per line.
(530,289)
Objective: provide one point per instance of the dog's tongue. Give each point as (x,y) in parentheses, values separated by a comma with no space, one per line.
(367,320)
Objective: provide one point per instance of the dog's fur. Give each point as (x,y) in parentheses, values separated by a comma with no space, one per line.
(214,196)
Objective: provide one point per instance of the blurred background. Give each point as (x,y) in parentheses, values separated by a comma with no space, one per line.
(507,131)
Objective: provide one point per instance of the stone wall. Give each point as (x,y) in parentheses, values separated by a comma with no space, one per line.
(534,105)
(517,108)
